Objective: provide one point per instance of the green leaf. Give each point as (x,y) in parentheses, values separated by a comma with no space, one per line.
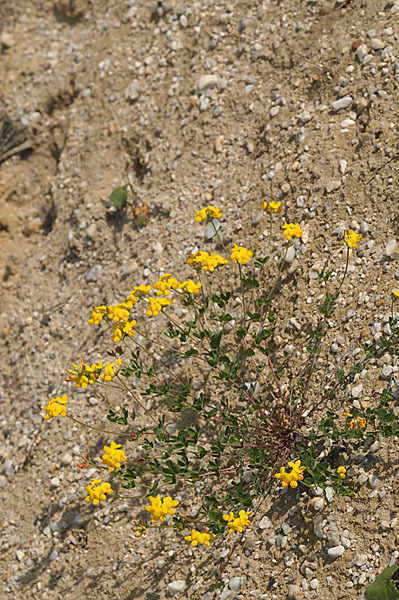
(384,587)
(118,196)
(250,282)
(215,340)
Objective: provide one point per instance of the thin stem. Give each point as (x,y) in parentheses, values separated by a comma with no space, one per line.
(243,295)
(270,229)
(95,428)
(219,238)
(343,278)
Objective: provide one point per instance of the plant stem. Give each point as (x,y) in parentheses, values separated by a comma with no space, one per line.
(95,428)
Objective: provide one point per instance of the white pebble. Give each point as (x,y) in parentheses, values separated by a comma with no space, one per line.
(175,587)
(336,551)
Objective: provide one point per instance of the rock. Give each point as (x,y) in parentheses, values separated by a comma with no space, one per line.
(374,446)
(361,52)
(235,584)
(20,555)
(265,523)
(203,103)
(274,111)
(347,123)
(211,229)
(67,458)
(91,231)
(175,587)
(183,21)
(386,372)
(94,273)
(390,247)
(342,103)
(374,481)
(226,593)
(364,227)
(357,391)
(342,166)
(317,503)
(329,493)
(6,39)
(314,584)
(333,185)
(290,256)
(295,593)
(333,539)
(205,82)
(318,527)
(377,44)
(336,551)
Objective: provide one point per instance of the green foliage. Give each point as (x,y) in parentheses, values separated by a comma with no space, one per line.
(119,196)
(386,586)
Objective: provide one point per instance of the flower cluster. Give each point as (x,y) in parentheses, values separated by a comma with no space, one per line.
(206,261)
(140,528)
(237,523)
(113,457)
(158,508)
(109,371)
(271,207)
(118,330)
(341,472)
(351,238)
(241,255)
(156,305)
(209,212)
(190,286)
(97,491)
(292,230)
(83,375)
(198,537)
(56,407)
(354,422)
(291,479)
(165,284)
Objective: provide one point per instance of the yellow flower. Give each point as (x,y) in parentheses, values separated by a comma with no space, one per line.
(109,371)
(354,422)
(97,491)
(56,407)
(271,207)
(94,371)
(241,255)
(351,238)
(197,537)
(165,284)
(158,508)
(341,472)
(118,313)
(292,230)
(396,293)
(113,457)
(209,212)
(236,524)
(205,261)
(136,294)
(191,286)
(291,479)
(156,305)
(97,315)
(78,375)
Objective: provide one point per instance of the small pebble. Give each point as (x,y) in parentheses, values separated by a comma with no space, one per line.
(341,103)
(336,551)
(175,587)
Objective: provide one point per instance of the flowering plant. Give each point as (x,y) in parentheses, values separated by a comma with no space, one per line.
(245,418)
